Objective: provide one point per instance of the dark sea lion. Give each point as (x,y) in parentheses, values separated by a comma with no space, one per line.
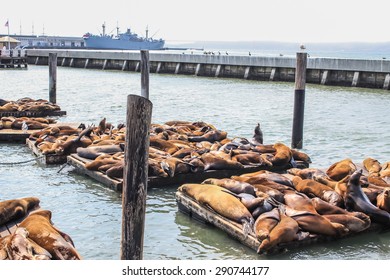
(93,152)
(352,223)
(116,171)
(339,170)
(43,233)
(265,223)
(251,202)
(16,208)
(70,146)
(211,136)
(383,200)
(232,185)
(356,200)
(221,202)
(372,166)
(173,166)
(257,138)
(285,231)
(313,188)
(155,169)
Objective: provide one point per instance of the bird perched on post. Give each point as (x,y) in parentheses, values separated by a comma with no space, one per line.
(257,138)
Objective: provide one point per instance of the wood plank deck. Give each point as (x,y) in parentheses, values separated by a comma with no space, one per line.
(47,159)
(116,184)
(19,114)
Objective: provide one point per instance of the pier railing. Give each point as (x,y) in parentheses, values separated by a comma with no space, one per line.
(324,71)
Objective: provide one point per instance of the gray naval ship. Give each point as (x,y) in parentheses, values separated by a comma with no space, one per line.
(122,41)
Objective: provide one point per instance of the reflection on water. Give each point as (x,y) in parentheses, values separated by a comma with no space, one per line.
(339,123)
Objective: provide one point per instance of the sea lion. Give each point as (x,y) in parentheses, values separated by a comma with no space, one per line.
(385,171)
(265,223)
(301,209)
(70,146)
(163,145)
(251,158)
(251,202)
(217,163)
(19,247)
(352,223)
(173,166)
(16,208)
(298,155)
(93,152)
(257,138)
(232,185)
(95,164)
(339,170)
(211,136)
(356,200)
(155,169)
(313,188)
(43,233)
(116,171)
(221,202)
(307,173)
(259,176)
(285,231)
(383,200)
(283,155)
(274,193)
(372,166)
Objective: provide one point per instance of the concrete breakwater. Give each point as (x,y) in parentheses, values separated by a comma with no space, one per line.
(325,71)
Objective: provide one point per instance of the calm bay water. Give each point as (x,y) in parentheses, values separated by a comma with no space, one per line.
(339,123)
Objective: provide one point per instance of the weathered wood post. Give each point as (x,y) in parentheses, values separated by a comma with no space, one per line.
(135,175)
(299,101)
(145,69)
(53,77)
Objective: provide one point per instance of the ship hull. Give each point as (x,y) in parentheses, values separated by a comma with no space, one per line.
(115,44)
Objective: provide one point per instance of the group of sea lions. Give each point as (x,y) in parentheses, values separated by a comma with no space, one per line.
(178,147)
(27,104)
(26,123)
(281,208)
(35,238)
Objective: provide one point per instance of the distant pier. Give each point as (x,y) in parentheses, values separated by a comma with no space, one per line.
(13,59)
(324,71)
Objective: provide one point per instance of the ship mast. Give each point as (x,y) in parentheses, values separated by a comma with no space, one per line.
(117,29)
(104,29)
(147,31)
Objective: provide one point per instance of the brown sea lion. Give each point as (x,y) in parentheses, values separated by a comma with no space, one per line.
(339,170)
(259,176)
(301,209)
(93,152)
(221,202)
(19,247)
(283,155)
(313,188)
(252,158)
(383,200)
(385,171)
(212,162)
(155,169)
(274,193)
(265,223)
(372,166)
(298,155)
(163,145)
(16,208)
(116,171)
(356,200)
(70,146)
(352,223)
(173,166)
(307,173)
(264,149)
(211,136)
(43,233)
(285,231)
(251,202)
(232,185)
(95,164)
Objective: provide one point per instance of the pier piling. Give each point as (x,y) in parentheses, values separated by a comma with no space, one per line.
(145,68)
(53,77)
(135,176)
(299,101)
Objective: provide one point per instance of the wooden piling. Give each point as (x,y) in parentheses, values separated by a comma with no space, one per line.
(53,77)
(135,176)
(145,68)
(299,101)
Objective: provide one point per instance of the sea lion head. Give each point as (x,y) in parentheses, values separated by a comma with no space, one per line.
(333,198)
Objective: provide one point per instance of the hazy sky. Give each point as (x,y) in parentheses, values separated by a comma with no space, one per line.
(209,20)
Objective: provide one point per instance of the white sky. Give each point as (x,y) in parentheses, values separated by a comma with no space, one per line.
(208,20)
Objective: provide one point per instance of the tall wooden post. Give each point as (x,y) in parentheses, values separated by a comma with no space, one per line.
(299,101)
(53,77)
(145,68)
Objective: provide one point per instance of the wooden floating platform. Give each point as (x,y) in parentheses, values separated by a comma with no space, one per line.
(47,159)
(116,184)
(11,227)
(19,114)
(189,206)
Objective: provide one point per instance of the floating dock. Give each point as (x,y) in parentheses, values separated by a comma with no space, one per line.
(13,59)
(116,184)
(47,159)
(32,114)
(364,73)
(189,206)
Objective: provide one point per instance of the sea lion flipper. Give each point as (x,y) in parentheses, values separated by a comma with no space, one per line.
(38,250)
(3,254)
